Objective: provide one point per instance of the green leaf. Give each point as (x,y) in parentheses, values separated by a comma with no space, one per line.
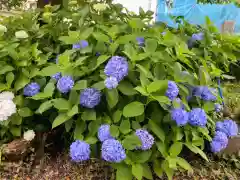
(136,23)
(123,172)
(15,119)
(16,131)
(133,109)
(157,130)
(142,90)
(25,112)
(101,59)
(162,148)
(68,125)
(10,79)
(79,85)
(112,97)
(158,85)
(125,126)
(157,168)
(101,37)
(196,150)
(73,111)
(5,69)
(126,88)
(93,128)
(60,119)
(151,45)
(21,82)
(88,115)
(21,34)
(167,169)
(86,33)
(131,142)
(49,70)
(139,156)
(162,100)
(130,51)
(184,164)
(137,171)
(49,89)
(3,87)
(74,97)
(114,131)
(99,85)
(117,116)
(175,149)
(147,173)
(209,106)
(79,129)
(91,140)
(61,104)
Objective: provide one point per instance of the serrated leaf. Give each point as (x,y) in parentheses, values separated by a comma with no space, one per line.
(5,69)
(60,119)
(99,85)
(126,88)
(101,59)
(21,82)
(61,104)
(89,115)
(73,111)
(112,97)
(131,142)
(49,70)
(142,90)
(158,85)
(162,100)
(133,109)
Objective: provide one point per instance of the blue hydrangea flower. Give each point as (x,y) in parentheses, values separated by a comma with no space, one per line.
(218,107)
(113,151)
(140,41)
(117,67)
(180,116)
(65,84)
(229,127)
(204,93)
(197,117)
(111,82)
(57,76)
(172,91)
(31,89)
(104,132)
(219,142)
(80,151)
(90,97)
(198,36)
(146,139)
(82,44)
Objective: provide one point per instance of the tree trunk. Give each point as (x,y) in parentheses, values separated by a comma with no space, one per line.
(42,3)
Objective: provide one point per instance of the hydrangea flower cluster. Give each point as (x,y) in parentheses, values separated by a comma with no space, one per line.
(80,151)
(116,69)
(7,106)
(205,93)
(197,117)
(219,142)
(229,127)
(146,139)
(57,76)
(141,41)
(90,97)
(104,132)
(82,44)
(65,84)
(218,107)
(180,116)
(31,89)
(113,151)
(172,91)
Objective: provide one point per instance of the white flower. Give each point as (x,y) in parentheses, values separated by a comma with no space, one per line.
(7,108)
(100,6)
(6,95)
(29,135)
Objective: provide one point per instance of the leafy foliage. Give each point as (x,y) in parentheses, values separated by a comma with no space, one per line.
(37,45)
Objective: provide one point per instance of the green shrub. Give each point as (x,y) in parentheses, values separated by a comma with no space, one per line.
(78,42)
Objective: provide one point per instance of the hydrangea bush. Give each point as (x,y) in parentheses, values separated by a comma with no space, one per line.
(135,91)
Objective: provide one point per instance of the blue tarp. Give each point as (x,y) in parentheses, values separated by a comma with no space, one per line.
(196,13)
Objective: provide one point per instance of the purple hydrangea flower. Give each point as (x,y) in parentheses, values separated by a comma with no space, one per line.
(65,84)
(146,139)
(219,142)
(172,91)
(57,76)
(113,151)
(180,116)
(197,117)
(204,93)
(82,44)
(80,151)
(117,67)
(140,41)
(104,132)
(31,89)
(111,82)
(229,127)
(198,36)
(218,107)
(90,97)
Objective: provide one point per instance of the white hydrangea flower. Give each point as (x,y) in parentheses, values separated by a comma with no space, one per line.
(7,108)
(100,6)
(6,95)
(29,135)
